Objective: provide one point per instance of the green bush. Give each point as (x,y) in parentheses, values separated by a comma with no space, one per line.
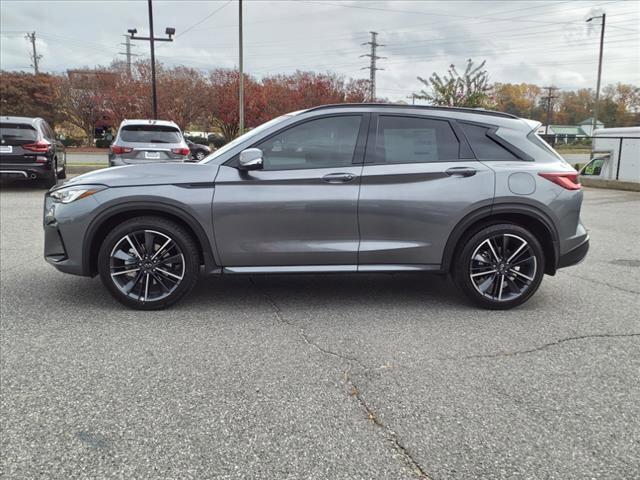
(197,139)
(216,139)
(103,143)
(72,142)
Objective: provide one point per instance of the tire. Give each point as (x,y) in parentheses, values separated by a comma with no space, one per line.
(51,178)
(62,174)
(199,155)
(498,275)
(154,280)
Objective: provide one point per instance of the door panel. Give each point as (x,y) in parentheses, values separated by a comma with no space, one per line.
(287,217)
(407,211)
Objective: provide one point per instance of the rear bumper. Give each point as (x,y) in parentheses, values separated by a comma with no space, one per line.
(25,171)
(574,256)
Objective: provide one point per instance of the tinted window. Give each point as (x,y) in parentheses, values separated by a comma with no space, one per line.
(414,140)
(326,142)
(150,134)
(483,146)
(10,132)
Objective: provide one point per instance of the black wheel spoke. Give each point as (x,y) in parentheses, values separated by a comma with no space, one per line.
(503,267)
(143,273)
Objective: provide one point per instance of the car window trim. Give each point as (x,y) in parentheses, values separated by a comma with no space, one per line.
(357,152)
(491,133)
(371,158)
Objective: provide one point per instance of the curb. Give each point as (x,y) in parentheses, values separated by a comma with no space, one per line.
(610,184)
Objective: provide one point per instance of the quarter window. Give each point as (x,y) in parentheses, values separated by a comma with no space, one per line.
(414,140)
(484,146)
(322,143)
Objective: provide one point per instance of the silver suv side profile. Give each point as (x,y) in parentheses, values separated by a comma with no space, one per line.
(337,188)
(148,141)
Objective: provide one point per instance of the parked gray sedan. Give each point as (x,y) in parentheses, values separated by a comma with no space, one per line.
(148,141)
(337,188)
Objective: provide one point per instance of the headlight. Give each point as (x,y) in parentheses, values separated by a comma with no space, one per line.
(73,193)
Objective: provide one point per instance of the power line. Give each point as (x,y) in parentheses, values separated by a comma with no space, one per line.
(372,64)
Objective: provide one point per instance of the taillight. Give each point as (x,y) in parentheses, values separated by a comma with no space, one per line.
(180,151)
(118,150)
(568,180)
(41,146)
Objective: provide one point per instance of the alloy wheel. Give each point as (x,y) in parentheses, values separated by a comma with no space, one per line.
(503,267)
(147,265)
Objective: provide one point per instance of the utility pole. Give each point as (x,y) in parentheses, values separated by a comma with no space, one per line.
(595,107)
(550,96)
(413,98)
(127,52)
(241,77)
(372,66)
(34,56)
(170,31)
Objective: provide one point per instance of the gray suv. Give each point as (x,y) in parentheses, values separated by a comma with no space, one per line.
(148,141)
(337,188)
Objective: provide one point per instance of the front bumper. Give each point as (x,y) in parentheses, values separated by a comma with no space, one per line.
(64,229)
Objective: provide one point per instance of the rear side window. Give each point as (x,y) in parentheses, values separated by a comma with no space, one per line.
(150,134)
(17,132)
(414,140)
(483,145)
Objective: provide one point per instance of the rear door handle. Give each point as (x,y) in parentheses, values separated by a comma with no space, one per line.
(338,177)
(461,172)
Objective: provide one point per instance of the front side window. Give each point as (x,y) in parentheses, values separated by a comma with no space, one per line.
(322,143)
(150,134)
(414,140)
(483,145)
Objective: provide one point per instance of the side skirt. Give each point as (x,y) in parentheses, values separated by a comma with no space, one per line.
(334,268)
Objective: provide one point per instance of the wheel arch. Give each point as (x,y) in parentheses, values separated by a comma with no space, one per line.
(526,216)
(109,218)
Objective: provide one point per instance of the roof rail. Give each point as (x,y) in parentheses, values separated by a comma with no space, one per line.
(480,111)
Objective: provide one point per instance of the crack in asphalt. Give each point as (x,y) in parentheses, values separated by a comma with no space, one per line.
(600,282)
(391,435)
(548,345)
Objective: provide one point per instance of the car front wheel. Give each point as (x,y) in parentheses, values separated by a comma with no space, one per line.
(500,267)
(148,263)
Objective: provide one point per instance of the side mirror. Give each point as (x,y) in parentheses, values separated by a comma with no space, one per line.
(251,159)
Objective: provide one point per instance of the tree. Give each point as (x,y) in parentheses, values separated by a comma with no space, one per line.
(470,89)
(27,95)
(518,99)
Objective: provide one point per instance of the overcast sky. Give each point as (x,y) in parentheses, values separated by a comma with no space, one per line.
(542,42)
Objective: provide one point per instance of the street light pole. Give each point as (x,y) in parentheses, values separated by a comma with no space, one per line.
(154,95)
(151,39)
(595,107)
(241,78)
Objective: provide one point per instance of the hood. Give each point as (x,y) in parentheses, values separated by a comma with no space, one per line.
(148,174)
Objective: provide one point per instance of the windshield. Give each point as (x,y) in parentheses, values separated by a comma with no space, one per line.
(150,134)
(244,137)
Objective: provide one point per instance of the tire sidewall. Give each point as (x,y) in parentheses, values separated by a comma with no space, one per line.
(461,272)
(166,227)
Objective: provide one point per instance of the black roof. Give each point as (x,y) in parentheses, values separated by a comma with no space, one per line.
(479,111)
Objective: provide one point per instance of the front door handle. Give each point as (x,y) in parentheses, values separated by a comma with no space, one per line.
(338,177)
(461,172)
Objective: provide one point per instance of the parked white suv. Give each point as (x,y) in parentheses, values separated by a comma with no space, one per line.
(148,141)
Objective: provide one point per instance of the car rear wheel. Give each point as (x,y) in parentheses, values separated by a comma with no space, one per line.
(149,263)
(51,177)
(500,266)
(200,155)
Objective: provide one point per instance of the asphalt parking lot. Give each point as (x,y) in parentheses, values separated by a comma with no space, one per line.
(322,377)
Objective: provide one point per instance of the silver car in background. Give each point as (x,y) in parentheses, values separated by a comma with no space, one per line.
(148,141)
(332,189)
